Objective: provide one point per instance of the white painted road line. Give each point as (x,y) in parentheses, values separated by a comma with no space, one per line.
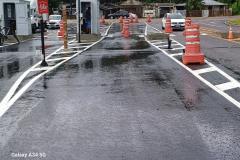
(209,84)
(13,94)
(41,69)
(65,52)
(176,54)
(205,70)
(228,86)
(78,47)
(176,48)
(160,42)
(165,45)
(57,59)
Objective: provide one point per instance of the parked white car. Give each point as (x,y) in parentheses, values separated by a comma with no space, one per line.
(177,21)
(54,21)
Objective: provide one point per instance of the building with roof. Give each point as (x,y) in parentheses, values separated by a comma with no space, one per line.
(133,6)
(15,14)
(214,8)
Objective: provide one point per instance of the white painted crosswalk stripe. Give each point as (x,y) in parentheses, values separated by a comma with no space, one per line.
(205,70)
(228,86)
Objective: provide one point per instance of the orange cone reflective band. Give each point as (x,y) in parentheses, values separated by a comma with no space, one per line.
(192,48)
(168,27)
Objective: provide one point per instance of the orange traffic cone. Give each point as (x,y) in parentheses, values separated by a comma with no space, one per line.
(61,30)
(102,20)
(125,30)
(230,33)
(120,19)
(192,49)
(188,22)
(135,20)
(168,27)
(131,19)
(149,20)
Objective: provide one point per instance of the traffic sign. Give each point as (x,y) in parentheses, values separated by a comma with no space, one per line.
(43,6)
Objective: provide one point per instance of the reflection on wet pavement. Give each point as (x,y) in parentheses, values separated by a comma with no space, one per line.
(15,59)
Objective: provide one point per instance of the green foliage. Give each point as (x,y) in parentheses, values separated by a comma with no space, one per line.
(194,5)
(54,3)
(235,22)
(236,8)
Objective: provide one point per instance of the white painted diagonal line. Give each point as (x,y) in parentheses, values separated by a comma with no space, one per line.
(228,86)
(13,94)
(204,70)
(218,88)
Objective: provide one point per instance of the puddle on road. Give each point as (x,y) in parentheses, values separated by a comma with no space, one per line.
(13,64)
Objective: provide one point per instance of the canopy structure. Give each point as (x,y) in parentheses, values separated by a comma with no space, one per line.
(212,3)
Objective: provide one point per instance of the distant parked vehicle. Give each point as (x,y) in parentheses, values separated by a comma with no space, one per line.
(177,21)
(54,21)
(35,20)
(133,15)
(119,13)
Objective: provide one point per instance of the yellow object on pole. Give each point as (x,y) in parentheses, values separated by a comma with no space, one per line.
(65,27)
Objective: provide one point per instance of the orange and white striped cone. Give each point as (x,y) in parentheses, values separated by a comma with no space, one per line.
(168,26)
(102,20)
(230,33)
(61,30)
(149,20)
(125,31)
(130,19)
(135,20)
(192,48)
(120,19)
(188,21)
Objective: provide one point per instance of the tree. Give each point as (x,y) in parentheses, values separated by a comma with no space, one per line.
(194,5)
(54,3)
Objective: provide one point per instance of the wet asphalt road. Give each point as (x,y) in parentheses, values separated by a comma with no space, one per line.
(123,99)
(216,23)
(15,59)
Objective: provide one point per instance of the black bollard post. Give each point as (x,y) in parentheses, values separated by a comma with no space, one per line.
(169,43)
(44,63)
